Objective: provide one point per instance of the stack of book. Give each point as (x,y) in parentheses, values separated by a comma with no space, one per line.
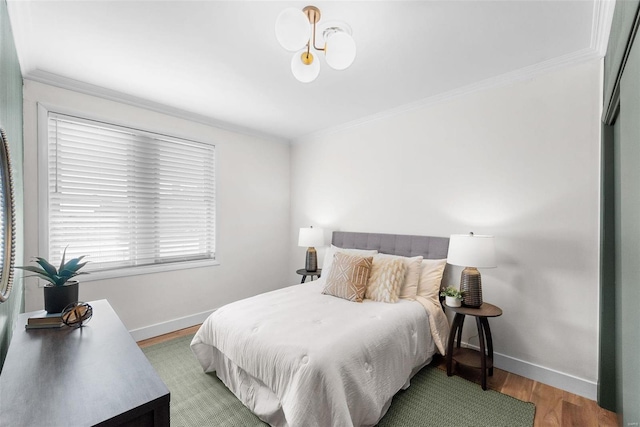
(44,320)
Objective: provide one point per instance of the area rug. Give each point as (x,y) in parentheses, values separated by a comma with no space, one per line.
(433,399)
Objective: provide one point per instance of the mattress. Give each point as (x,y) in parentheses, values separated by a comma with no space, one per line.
(296,357)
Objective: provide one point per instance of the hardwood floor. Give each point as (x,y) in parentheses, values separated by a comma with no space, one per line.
(169,336)
(554,407)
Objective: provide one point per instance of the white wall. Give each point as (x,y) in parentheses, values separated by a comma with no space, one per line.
(520,162)
(252,217)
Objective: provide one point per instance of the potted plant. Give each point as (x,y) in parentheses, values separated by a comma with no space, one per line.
(60,291)
(453,297)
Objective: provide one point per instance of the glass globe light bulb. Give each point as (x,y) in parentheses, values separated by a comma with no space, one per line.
(292,29)
(304,66)
(340,50)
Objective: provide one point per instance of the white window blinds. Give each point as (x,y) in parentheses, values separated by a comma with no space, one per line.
(128,198)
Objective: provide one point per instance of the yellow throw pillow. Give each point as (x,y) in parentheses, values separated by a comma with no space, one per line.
(348,277)
(431,279)
(386,279)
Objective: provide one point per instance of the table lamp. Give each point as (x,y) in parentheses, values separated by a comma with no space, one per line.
(472,252)
(311,237)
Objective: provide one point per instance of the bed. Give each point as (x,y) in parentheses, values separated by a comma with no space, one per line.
(298,357)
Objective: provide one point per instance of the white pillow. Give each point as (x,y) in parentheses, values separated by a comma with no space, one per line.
(409,287)
(385,279)
(328,256)
(431,278)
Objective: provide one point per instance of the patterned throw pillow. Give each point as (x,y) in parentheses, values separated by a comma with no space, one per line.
(348,277)
(409,288)
(332,250)
(386,279)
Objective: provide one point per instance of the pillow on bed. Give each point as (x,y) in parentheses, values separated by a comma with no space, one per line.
(328,256)
(431,278)
(385,280)
(409,287)
(348,277)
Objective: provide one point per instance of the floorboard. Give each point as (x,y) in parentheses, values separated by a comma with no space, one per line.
(576,416)
(554,407)
(169,336)
(548,402)
(518,387)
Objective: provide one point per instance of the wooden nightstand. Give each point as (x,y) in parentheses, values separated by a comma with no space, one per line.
(465,356)
(306,273)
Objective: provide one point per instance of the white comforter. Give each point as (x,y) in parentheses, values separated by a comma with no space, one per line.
(296,357)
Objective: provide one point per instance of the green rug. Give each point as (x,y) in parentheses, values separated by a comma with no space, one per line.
(199,399)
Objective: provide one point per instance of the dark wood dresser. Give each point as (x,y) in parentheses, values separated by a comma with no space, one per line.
(94,375)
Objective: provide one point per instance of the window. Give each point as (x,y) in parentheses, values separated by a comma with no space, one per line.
(127,198)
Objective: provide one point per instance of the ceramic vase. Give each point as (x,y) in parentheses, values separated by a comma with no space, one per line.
(453,302)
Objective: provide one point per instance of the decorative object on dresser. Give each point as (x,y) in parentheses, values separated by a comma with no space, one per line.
(43,320)
(95,375)
(7,219)
(483,359)
(61,290)
(453,297)
(472,252)
(77,314)
(74,315)
(310,238)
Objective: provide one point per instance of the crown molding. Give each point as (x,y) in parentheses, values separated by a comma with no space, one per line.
(601,25)
(525,73)
(56,80)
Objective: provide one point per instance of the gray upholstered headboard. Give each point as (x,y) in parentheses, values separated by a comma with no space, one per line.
(394,244)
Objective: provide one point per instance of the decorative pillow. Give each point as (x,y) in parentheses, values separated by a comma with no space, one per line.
(409,287)
(328,256)
(348,277)
(385,280)
(431,279)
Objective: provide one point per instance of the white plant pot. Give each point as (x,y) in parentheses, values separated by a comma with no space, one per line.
(453,301)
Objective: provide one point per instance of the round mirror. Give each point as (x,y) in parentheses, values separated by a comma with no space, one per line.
(7,220)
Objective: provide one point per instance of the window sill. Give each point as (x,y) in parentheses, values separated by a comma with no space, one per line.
(147,269)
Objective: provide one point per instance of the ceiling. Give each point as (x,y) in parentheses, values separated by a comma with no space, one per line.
(219,61)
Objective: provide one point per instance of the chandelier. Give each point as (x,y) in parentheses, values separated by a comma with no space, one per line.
(296,32)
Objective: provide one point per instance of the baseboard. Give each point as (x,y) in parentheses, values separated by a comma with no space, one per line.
(557,379)
(169,326)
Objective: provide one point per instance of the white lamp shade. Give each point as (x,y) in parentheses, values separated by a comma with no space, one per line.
(340,50)
(292,29)
(311,237)
(303,72)
(471,250)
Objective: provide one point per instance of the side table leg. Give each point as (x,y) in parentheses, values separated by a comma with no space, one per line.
(483,354)
(487,334)
(452,337)
(460,329)
(304,278)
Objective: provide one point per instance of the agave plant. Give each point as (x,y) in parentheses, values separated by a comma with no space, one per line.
(57,276)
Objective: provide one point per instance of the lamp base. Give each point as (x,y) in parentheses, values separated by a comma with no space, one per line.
(311,261)
(471,287)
